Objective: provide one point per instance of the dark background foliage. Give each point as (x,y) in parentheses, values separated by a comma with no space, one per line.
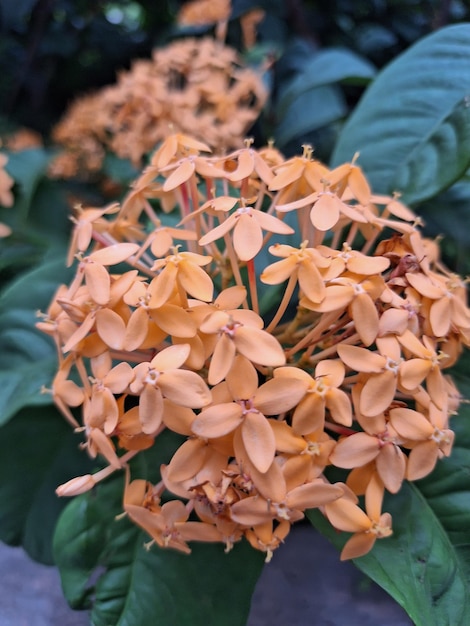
(53,50)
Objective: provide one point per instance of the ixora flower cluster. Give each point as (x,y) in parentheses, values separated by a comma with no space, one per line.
(346,370)
(192,85)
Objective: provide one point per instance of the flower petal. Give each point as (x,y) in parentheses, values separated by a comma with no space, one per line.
(150,409)
(391,467)
(242,379)
(358,545)
(325,212)
(309,415)
(111,255)
(187,460)
(259,441)
(195,281)
(171,358)
(312,495)
(279,395)
(411,424)
(247,237)
(180,175)
(259,346)
(343,514)
(378,393)
(98,282)
(185,388)
(366,318)
(422,460)
(222,359)
(355,450)
(217,420)
(111,328)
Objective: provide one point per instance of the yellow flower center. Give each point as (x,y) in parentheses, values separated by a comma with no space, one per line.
(440,437)
(380,531)
(392,366)
(152,377)
(313,448)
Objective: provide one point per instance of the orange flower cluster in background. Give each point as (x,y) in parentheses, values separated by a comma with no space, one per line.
(197,86)
(345,365)
(203,12)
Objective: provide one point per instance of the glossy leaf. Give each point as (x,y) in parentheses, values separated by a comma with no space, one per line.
(27,169)
(413,116)
(312,110)
(455,233)
(326,67)
(425,565)
(27,356)
(136,586)
(38,451)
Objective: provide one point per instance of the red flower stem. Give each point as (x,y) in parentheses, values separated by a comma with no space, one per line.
(284,302)
(81,369)
(234,264)
(337,237)
(192,245)
(315,334)
(252,284)
(185,206)
(332,349)
(352,233)
(340,430)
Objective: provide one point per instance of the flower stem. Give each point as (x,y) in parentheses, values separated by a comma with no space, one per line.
(252,284)
(284,302)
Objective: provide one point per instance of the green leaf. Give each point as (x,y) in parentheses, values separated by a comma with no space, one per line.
(455,243)
(418,565)
(119,169)
(38,452)
(27,167)
(412,126)
(425,565)
(328,66)
(313,109)
(139,587)
(27,356)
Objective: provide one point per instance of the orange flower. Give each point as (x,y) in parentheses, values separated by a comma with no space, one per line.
(304,264)
(248,225)
(162,377)
(181,270)
(168,525)
(359,296)
(239,331)
(245,407)
(381,444)
(255,510)
(321,392)
(383,372)
(428,442)
(344,514)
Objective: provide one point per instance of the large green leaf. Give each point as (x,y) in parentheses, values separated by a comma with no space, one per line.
(139,587)
(425,565)
(27,168)
(38,452)
(412,126)
(27,356)
(326,67)
(455,243)
(313,109)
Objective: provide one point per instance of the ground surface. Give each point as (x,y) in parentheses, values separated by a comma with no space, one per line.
(304,585)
